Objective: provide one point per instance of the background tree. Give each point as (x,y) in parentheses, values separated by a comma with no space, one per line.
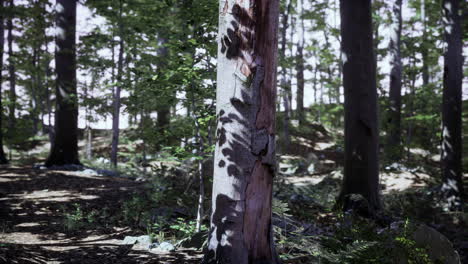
(11,72)
(65,146)
(394,120)
(118,88)
(452,107)
(361,172)
(3,159)
(241,230)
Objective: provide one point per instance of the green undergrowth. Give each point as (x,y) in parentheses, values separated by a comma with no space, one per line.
(345,238)
(162,208)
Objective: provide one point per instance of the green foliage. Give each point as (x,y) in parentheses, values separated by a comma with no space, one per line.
(184,229)
(359,240)
(76,219)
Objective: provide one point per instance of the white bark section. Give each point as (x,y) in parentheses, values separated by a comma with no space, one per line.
(231,82)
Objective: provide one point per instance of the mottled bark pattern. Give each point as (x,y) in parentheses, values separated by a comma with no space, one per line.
(241,231)
(452,107)
(361,174)
(394,120)
(65,145)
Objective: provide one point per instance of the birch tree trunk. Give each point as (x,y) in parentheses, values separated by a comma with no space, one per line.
(452,107)
(361,175)
(3,159)
(65,145)
(241,231)
(394,120)
(118,88)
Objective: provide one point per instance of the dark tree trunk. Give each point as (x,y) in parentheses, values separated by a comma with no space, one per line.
(65,145)
(3,159)
(164,109)
(118,88)
(12,76)
(452,107)
(241,230)
(424,50)
(300,70)
(285,83)
(35,90)
(394,150)
(361,175)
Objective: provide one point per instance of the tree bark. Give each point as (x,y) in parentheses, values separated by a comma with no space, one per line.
(88,129)
(452,186)
(394,120)
(118,88)
(241,230)
(12,76)
(300,69)
(65,145)
(424,50)
(3,159)
(164,109)
(361,174)
(285,82)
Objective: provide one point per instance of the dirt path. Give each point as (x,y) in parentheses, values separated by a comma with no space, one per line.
(32,230)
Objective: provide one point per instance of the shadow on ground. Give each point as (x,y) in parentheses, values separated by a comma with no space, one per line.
(32,230)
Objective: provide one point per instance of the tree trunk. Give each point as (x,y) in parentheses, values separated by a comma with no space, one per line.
(394,120)
(241,230)
(201,154)
(424,50)
(118,87)
(65,145)
(88,130)
(12,76)
(361,175)
(452,107)
(300,69)
(3,159)
(164,109)
(284,78)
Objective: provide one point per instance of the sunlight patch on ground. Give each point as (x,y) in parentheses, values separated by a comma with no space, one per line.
(305,180)
(27,225)
(52,196)
(323,145)
(303,141)
(403,180)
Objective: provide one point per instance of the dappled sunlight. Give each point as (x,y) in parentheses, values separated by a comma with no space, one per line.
(403,180)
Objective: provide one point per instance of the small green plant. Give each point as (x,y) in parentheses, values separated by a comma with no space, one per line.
(78,218)
(184,229)
(75,219)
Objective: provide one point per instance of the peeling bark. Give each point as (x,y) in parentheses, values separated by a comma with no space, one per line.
(452,107)
(241,231)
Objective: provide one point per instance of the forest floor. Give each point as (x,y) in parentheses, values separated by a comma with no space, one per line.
(58,216)
(34,204)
